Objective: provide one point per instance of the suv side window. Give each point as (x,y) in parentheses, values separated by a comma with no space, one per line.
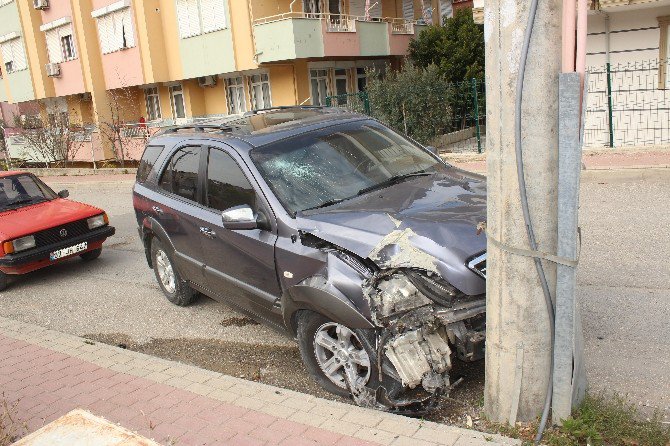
(181,174)
(149,157)
(227,186)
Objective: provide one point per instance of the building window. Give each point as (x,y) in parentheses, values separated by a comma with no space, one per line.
(235,89)
(427,12)
(13,55)
(115,31)
(153,104)
(177,101)
(361,79)
(319,83)
(67,45)
(196,17)
(60,44)
(259,88)
(341,81)
(446,10)
(408,9)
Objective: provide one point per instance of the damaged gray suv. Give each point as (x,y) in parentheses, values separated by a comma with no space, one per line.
(333,228)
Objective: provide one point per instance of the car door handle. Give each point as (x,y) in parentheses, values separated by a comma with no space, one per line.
(207,232)
(157,210)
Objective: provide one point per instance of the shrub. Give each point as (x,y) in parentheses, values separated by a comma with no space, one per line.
(412,100)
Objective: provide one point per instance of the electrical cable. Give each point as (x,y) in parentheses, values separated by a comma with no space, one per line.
(526,212)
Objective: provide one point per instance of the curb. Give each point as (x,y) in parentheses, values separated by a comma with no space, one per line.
(76,171)
(336,417)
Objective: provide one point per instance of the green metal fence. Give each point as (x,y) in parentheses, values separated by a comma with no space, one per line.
(628,105)
(357,102)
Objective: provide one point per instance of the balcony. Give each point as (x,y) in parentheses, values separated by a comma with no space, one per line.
(297,35)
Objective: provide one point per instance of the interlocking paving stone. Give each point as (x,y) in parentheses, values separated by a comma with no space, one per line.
(50,373)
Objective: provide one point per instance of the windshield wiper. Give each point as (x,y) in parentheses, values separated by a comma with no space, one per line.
(395,179)
(16,204)
(326,204)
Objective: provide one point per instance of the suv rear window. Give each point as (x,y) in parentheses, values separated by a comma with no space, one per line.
(151,154)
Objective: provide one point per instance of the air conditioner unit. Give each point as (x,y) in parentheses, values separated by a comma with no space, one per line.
(41,4)
(207,81)
(53,69)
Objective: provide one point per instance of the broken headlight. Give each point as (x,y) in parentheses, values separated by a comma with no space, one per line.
(434,287)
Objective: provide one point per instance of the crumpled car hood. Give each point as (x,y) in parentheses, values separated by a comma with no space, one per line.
(427,222)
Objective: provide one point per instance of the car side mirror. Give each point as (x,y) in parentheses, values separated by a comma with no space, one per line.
(239,217)
(64,193)
(432,149)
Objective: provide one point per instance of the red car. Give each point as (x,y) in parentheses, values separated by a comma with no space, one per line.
(39,227)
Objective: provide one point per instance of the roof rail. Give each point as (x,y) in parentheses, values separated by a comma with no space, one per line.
(284,107)
(196,127)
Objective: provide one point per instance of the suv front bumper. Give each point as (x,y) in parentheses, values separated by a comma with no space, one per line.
(36,258)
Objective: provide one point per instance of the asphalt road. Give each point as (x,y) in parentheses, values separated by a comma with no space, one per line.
(623,283)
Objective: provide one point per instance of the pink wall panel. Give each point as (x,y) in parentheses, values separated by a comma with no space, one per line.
(57,9)
(398,43)
(71,80)
(123,68)
(340,44)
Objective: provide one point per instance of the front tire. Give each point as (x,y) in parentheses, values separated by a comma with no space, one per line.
(3,281)
(91,255)
(173,286)
(330,350)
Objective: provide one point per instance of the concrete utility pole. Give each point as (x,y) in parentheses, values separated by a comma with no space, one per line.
(518,344)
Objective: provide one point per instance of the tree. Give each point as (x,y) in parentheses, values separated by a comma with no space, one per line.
(5,163)
(52,139)
(456,48)
(121,103)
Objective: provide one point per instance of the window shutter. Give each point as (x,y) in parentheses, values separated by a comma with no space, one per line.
(103,33)
(408,9)
(7,52)
(117,30)
(357,8)
(19,55)
(446,9)
(213,15)
(127,19)
(182,18)
(53,46)
(193,18)
(376,10)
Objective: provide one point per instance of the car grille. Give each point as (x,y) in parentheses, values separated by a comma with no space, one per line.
(478,265)
(54,235)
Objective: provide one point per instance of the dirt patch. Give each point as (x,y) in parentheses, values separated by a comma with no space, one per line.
(238,321)
(274,365)
(283,367)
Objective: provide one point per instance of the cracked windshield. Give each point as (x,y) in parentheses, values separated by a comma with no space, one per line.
(326,167)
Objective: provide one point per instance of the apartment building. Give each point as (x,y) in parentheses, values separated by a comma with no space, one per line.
(162,62)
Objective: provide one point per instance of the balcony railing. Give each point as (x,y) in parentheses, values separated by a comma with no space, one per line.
(342,22)
(401,26)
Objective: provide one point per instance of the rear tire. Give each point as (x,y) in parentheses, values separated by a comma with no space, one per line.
(173,286)
(315,356)
(91,255)
(3,281)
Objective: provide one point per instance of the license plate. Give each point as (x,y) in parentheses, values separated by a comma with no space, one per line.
(68,251)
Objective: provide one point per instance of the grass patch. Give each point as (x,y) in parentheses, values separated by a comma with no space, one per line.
(10,428)
(609,420)
(600,420)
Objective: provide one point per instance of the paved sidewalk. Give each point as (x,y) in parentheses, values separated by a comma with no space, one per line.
(51,373)
(592,160)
